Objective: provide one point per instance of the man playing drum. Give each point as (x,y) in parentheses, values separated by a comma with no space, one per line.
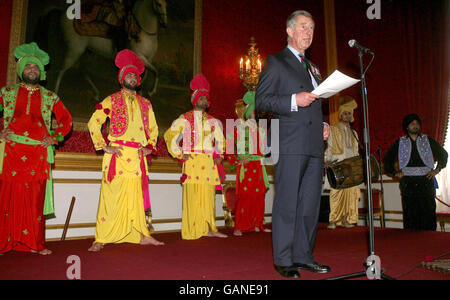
(343,144)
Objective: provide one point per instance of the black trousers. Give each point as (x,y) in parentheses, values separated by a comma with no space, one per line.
(295,213)
(419,205)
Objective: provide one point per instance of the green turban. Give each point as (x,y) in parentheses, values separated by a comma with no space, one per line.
(30,53)
(249,100)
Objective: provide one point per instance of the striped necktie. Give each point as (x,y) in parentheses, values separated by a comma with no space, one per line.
(302,57)
(302,60)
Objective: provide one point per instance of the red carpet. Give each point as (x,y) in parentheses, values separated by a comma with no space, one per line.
(236,258)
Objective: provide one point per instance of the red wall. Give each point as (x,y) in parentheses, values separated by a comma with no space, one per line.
(411,66)
(227,28)
(409,74)
(5,27)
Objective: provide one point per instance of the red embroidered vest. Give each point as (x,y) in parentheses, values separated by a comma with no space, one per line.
(119,114)
(189,135)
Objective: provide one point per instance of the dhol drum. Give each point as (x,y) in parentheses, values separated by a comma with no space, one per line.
(351,172)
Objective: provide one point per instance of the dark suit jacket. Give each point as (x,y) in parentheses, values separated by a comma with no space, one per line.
(301,132)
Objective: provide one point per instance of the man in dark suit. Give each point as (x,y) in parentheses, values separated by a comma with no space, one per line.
(284,89)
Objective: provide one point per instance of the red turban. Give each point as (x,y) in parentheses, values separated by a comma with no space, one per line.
(128,62)
(200,87)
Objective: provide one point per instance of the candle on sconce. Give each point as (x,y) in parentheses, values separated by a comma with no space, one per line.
(259,65)
(247,65)
(241,64)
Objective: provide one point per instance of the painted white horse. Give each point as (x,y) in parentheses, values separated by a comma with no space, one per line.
(150,14)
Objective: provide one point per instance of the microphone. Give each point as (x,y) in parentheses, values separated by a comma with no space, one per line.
(355,44)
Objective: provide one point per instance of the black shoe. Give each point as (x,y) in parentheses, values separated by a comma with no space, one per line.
(288,272)
(314,267)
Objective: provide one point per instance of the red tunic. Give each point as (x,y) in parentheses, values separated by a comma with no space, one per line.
(25,170)
(250,193)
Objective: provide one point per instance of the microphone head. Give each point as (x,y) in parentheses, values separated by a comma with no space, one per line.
(351,43)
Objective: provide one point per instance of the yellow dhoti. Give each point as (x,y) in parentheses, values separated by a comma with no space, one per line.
(199,197)
(342,144)
(198,211)
(344,203)
(121,215)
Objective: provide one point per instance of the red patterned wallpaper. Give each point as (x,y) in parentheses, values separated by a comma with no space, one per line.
(410,72)
(5,28)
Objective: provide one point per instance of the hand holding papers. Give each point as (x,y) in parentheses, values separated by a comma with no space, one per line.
(335,83)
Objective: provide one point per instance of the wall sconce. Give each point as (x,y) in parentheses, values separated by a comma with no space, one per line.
(250,66)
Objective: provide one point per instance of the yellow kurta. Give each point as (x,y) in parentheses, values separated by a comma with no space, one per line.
(343,203)
(202,175)
(121,215)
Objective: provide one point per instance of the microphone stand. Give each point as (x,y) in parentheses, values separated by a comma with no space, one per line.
(381,185)
(372,262)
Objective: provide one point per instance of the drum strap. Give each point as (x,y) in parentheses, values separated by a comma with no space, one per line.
(359,142)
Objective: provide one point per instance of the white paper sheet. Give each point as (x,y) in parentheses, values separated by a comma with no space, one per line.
(335,83)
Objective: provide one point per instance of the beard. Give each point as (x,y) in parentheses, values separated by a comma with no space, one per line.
(414,131)
(129,86)
(29,80)
(203,106)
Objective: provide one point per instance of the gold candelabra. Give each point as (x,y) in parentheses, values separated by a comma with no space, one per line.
(250,66)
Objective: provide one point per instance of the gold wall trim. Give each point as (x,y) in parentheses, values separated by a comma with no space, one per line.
(99,181)
(18,33)
(76,126)
(77,181)
(92,225)
(74,238)
(394,212)
(17,37)
(331,52)
(386,220)
(154,221)
(71,226)
(69,161)
(198,37)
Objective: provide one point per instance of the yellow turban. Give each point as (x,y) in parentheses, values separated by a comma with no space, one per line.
(349,106)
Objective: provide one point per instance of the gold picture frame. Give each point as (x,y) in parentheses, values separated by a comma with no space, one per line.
(92,161)
(18,36)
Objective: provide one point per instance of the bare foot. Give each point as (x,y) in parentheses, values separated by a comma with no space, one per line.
(237,233)
(217,234)
(43,252)
(96,247)
(257,229)
(346,224)
(267,230)
(150,241)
